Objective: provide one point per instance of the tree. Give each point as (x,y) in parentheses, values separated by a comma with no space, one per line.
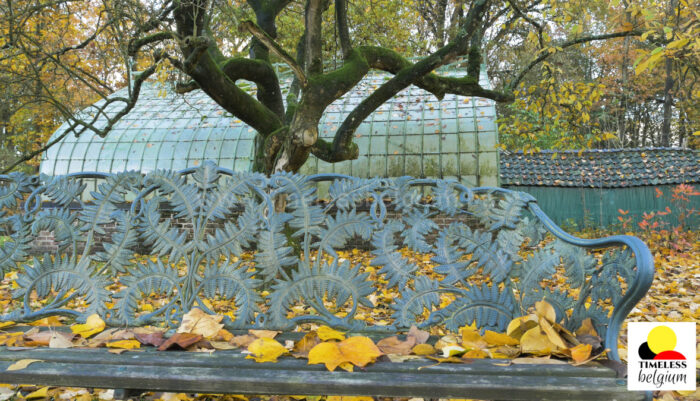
(197,38)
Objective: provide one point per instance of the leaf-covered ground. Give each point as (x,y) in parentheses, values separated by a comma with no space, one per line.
(672,298)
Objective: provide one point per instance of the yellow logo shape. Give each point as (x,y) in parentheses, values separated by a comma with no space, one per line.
(660,339)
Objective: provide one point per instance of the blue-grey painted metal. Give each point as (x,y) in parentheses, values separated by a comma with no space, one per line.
(231,211)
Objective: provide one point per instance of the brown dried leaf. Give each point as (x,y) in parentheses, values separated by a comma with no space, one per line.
(242,341)
(421,336)
(155,339)
(392,345)
(263,333)
(181,340)
(196,321)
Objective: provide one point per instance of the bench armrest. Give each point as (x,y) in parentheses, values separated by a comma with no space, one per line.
(636,290)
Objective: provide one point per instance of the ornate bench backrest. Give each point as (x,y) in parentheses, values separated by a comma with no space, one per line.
(492,258)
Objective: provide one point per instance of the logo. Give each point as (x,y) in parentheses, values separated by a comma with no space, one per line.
(664,357)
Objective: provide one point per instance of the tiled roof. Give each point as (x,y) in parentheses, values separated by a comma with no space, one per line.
(607,168)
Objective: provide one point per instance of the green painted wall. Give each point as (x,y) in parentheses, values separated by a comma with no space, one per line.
(587,207)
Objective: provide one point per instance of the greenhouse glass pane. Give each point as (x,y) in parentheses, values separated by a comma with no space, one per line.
(449,126)
(242,165)
(431,144)
(449,143)
(119,165)
(79,150)
(466,124)
(151,151)
(133,164)
(211,150)
(377,166)
(179,164)
(228,149)
(75,165)
(378,145)
(104,164)
(90,165)
(413,166)
(121,151)
(196,150)
(226,162)
(379,128)
(395,144)
(245,149)
(360,167)
(395,165)
(467,143)
(450,164)
(414,144)
(61,167)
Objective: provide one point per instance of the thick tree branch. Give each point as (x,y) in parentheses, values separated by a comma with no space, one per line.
(545,54)
(136,44)
(263,75)
(313,18)
(270,43)
(341,17)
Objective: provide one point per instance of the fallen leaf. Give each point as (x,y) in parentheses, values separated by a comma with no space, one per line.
(325,333)
(223,335)
(494,339)
(156,338)
(452,350)
(59,340)
(303,346)
(117,351)
(6,324)
(392,345)
(93,325)
(50,321)
(444,341)
(125,344)
(266,350)
(402,358)
(518,326)
(174,397)
(358,351)
(6,393)
(196,321)
(451,359)
(587,328)
(545,310)
(472,339)
(580,352)
(41,393)
(421,336)
(424,349)
(263,333)
(535,342)
(222,345)
(243,341)
(182,340)
(552,334)
(475,354)
(22,363)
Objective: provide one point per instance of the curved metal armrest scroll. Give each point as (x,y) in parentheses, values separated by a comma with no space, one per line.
(637,289)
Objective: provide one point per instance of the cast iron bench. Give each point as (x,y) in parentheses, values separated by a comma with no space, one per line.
(229,212)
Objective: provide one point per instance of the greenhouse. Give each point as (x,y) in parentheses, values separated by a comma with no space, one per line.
(412,134)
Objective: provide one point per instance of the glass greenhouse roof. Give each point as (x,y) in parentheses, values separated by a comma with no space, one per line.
(412,134)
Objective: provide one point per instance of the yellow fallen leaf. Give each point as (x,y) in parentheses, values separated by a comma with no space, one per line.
(47,321)
(197,322)
(581,352)
(476,354)
(325,333)
(124,344)
(41,393)
(535,342)
(494,338)
(263,333)
(545,310)
(174,397)
(452,350)
(518,326)
(587,328)
(6,324)
(93,325)
(552,334)
(327,353)
(22,363)
(423,349)
(266,350)
(358,351)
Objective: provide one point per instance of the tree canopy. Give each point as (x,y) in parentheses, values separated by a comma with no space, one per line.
(551,60)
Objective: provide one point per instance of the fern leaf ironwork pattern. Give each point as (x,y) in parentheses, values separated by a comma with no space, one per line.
(183,236)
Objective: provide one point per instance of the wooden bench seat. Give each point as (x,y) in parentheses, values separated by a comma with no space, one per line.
(230,372)
(495,254)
